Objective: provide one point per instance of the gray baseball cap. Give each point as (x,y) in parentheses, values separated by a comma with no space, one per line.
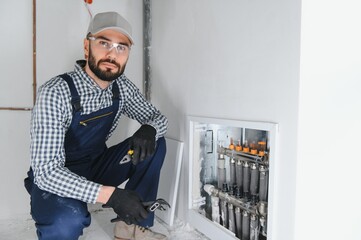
(110,20)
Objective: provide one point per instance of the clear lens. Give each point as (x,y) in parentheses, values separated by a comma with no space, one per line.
(108,46)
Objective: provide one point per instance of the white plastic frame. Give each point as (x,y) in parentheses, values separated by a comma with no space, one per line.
(203,224)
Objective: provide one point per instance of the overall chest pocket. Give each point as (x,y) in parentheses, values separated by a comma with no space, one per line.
(94,119)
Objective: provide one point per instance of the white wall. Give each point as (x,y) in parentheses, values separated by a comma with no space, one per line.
(234,60)
(16,91)
(61,28)
(237,60)
(328,189)
(16,46)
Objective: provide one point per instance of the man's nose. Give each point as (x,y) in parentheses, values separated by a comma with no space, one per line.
(112,53)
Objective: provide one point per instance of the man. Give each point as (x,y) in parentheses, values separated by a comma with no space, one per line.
(74,115)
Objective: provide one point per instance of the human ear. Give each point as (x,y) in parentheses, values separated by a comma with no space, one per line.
(86,49)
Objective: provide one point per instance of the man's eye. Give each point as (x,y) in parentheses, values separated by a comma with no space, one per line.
(121,48)
(104,44)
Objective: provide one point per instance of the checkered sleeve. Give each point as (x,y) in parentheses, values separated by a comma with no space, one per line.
(138,108)
(50,119)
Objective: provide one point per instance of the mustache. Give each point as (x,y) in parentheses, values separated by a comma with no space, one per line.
(110,61)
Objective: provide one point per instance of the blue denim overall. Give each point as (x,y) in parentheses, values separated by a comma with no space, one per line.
(59,218)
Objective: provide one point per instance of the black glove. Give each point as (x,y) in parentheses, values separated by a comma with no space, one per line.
(143,143)
(127,205)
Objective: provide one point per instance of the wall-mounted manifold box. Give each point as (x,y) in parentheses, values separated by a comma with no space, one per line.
(231,177)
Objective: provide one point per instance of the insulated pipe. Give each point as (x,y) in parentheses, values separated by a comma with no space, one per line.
(263,183)
(239,175)
(246,179)
(231,219)
(245,226)
(232,171)
(238,215)
(254,181)
(211,190)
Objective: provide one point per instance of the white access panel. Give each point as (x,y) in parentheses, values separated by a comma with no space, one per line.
(169,179)
(203,149)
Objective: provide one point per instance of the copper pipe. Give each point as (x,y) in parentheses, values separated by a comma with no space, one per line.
(15,109)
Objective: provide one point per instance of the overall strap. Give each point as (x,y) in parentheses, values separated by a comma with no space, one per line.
(75,98)
(115,91)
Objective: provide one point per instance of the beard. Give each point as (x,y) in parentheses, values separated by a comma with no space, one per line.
(105,75)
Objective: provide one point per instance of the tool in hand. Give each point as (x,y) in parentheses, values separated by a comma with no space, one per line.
(160,204)
(151,206)
(127,158)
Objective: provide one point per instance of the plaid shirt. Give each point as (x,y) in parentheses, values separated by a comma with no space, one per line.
(52,116)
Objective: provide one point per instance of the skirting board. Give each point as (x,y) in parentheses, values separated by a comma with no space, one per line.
(169,179)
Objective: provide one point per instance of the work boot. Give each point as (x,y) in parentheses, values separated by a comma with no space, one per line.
(123,231)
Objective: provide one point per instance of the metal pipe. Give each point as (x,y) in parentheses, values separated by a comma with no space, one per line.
(34,52)
(242,156)
(263,224)
(147,43)
(221,171)
(211,190)
(262,208)
(215,209)
(224,213)
(254,228)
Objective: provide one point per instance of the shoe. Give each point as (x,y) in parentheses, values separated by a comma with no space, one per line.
(123,231)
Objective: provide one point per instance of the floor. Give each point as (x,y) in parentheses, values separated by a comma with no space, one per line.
(100,228)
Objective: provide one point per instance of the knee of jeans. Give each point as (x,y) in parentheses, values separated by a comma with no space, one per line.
(161,145)
(65,227)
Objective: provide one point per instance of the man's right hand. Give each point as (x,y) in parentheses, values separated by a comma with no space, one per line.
(127,205)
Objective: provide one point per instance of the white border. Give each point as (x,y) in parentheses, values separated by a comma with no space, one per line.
(207,227)
(170,190)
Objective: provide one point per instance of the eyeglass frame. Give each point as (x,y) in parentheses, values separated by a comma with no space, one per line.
(111,44)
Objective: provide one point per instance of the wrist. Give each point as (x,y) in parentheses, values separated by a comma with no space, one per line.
(105,193)
(149,128)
